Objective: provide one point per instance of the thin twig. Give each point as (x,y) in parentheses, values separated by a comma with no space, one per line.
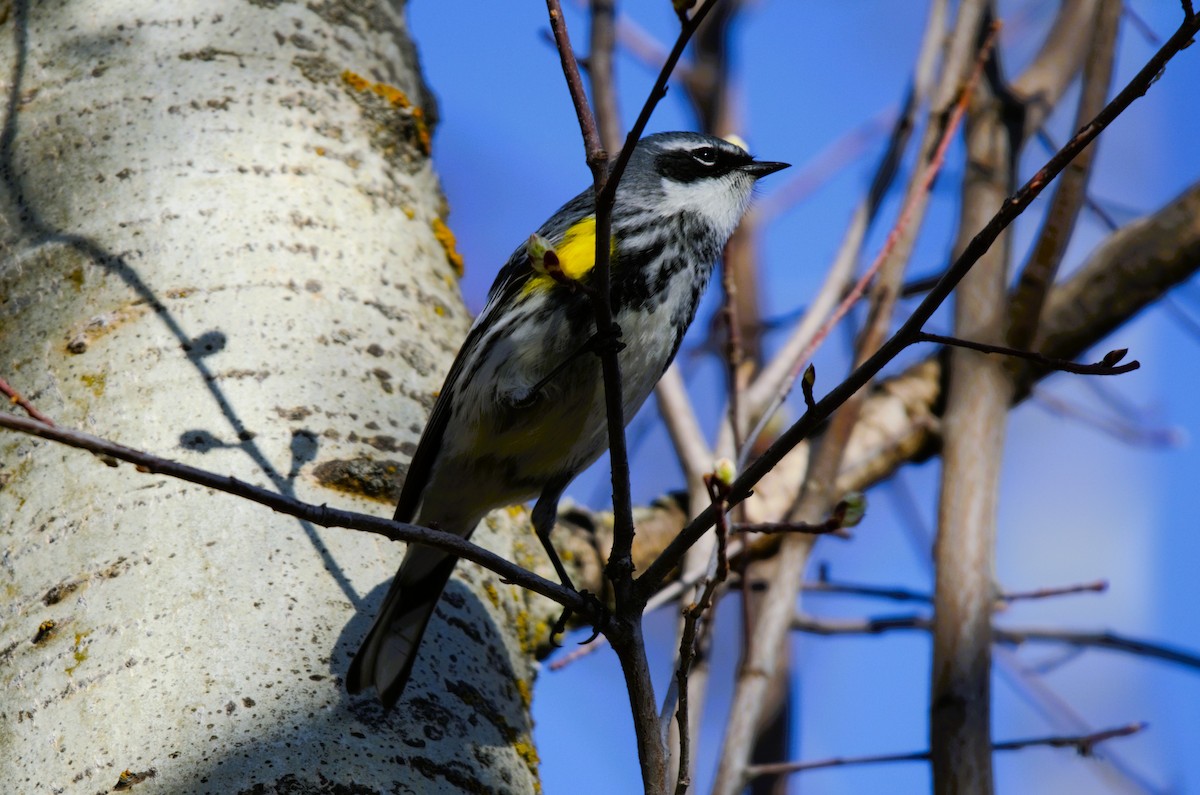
(1106,366)
(1009,636)
(689,637)
(1085,744)
(828,527)
(17,399)
(1095,586)
(321,515)
(897,594)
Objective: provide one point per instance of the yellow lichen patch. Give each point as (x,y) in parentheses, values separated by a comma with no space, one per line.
(423,130)
(357,82)
(391,94)
(516,511)
(439,310)
(525,692)
(320,150)
(96,383)
(80,651)
(529,755)
(524,636)
(446,238)
(397,99)
(493,595)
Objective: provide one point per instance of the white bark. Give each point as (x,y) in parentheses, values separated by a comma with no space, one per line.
(219,246)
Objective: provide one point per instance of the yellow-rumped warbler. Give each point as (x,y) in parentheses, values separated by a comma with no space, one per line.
(522,410)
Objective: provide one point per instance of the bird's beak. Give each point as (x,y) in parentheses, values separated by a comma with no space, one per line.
(760,168)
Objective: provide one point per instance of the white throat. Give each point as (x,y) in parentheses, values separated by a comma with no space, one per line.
(721,201)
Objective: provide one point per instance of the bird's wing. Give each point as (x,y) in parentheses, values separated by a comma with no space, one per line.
(509,282)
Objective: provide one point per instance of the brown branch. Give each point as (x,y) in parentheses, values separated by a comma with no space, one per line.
(907,595)
(828,527)
(977,403)
(1106,366)
(593,148)
(17,399)
(1029,295)
(1095,586)
(1041,85)
(1084,744)
(687,437)
(1127,272)
(321,515)
(689,636)
(1009,636)
(600,73)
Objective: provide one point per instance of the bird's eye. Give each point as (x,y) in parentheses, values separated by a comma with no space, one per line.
(705,156)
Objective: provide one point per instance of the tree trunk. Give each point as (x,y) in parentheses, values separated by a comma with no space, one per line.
(223,243)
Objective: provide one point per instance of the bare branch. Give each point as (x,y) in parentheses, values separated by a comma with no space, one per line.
(1106,366)
(321,515)
(600,73)
(827,586)
(593,148)
(683,427)
(1009,636)
(689,637)
(1029,296)
(1042,84)
(1084,744)
(16,399)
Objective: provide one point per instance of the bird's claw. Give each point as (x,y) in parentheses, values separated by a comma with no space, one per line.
(598,609)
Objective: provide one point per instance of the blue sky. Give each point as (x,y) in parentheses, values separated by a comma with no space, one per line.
(1077,503)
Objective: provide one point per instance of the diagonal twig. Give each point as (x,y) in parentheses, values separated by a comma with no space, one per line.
(1084,744)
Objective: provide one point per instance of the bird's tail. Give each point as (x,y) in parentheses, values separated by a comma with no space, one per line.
(387,654)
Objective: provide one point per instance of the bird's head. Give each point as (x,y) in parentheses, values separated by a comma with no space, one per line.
(685,172)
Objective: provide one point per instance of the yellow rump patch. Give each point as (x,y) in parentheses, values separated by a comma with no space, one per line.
(576,254)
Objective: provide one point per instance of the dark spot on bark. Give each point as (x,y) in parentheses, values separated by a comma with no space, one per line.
(61,591)
(376,480)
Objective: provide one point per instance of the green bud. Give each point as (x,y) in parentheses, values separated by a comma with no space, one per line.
(853,507)
(724,470)
(542,256)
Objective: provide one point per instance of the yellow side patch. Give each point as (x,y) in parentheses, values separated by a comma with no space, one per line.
(576,254)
